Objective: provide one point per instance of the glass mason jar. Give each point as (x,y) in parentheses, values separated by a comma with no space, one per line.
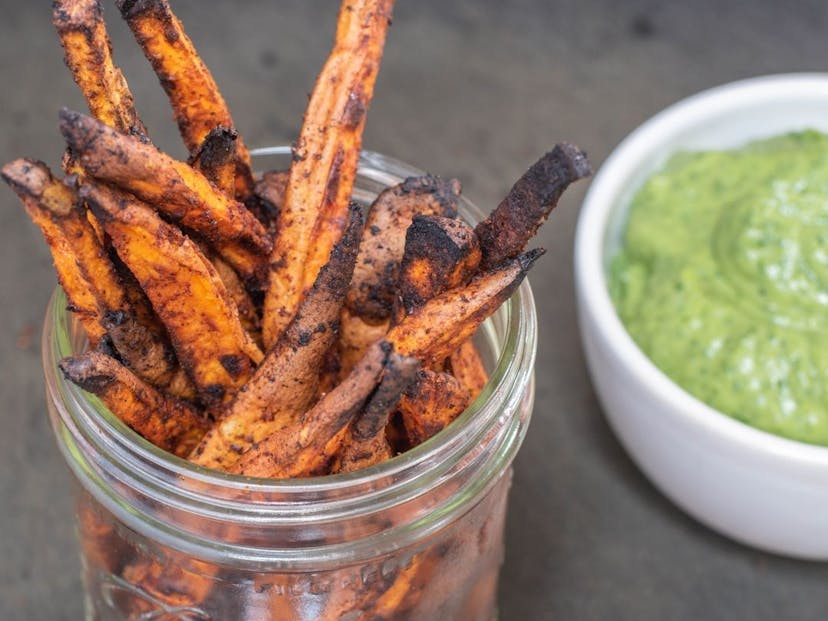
(419,537)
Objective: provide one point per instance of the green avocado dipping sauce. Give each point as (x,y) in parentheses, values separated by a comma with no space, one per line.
(722,280)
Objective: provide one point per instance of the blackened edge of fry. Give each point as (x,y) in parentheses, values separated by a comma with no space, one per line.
(83,371)
(79,17)
(217,149)
(133,8)
(26,177)
(399,374)
(336,274)
(445,191)
(526,207)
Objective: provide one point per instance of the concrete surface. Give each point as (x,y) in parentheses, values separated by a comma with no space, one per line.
(471,88)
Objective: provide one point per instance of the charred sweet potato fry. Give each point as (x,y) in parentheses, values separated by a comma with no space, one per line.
(183,193)
(372,291)
(169,423)
(88,54)
(440,254)
(430,404)
(325,160)
(215,158)
(29,179)
(512,224)
(443,323)
(365,443)
(248,313)
(285,384)
(196,100)
(185,291)
(468,368)
(306,446)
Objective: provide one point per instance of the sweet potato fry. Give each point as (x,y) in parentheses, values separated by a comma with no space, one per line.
(443,323)
(183,193)
(215,158)
(440,254)
(185,291)
(365,443)
(325,160)
(306,446)
(433,402)
(30,179)
(372,291)
(248,313)
(110,304)
(468,368)
(169,423)
(88,54)
(286,382)
(193,94)
(355,337)
(512,224)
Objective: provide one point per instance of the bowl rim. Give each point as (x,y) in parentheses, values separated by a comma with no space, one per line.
(594,217)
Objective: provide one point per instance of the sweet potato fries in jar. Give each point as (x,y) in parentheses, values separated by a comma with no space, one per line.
(279,392)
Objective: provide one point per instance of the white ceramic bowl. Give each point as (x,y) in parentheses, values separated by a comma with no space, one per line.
(757,488)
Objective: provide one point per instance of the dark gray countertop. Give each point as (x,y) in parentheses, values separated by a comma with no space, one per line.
(469,89)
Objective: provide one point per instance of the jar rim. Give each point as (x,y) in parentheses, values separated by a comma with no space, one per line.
(330,496)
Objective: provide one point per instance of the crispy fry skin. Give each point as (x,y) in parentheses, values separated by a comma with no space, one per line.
(325,160)
(440,254)
(468,368)
(169,423)
(88,54)
(28,179)
(193,94)
(185,291)
(432,332)
(371,295)
(286,382)
(306,446)
(183,193)
(355,337)
(215,158)
(365,443)
(512,224)
(431,404)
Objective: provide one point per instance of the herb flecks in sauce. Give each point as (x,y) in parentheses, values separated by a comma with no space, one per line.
(722,280)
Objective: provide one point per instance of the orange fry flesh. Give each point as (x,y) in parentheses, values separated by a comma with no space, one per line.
(196,100)
(324,168)
(431,405)
(467,366)
(183,193)
(169,423)
(433,331)
(185,291)
(440,254)
(88,54)
(29,179)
